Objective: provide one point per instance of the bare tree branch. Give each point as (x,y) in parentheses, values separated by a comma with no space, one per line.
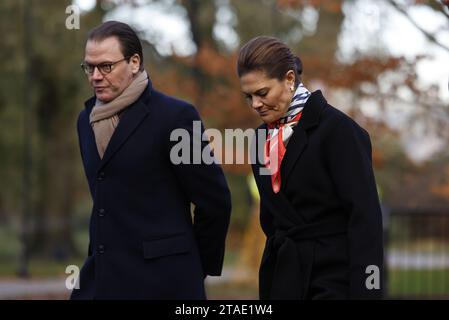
(445,9)
(428,35)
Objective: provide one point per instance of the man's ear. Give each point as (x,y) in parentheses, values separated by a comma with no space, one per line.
(135,63)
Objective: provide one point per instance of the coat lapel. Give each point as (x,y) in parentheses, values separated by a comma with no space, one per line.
(91,144)
(275,202)
(129,121)
(298,141)
(279,202)
(295,148)
(263,180)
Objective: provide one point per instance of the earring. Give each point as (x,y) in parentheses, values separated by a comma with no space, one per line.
(292,88)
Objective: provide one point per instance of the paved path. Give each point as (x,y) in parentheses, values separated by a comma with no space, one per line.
(417,260)
(19,289)
(55,288)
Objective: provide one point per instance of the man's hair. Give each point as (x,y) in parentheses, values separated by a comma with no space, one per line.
(127,37)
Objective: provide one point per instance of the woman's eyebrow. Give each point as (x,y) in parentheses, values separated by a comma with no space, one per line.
(261,89)
(255,92)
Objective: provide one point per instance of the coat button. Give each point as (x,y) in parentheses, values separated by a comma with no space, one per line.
(101,176)
(101,212)
(101,249)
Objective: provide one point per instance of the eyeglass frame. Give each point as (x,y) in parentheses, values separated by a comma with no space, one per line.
(84,65)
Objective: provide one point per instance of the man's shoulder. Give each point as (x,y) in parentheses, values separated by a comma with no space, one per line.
(171,105)
(82,115)
(88,105)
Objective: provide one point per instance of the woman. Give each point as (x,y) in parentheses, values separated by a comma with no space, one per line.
(319,204)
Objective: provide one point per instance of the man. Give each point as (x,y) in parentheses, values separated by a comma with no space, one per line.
(143,242)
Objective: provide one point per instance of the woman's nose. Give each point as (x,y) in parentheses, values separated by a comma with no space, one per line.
(256,103)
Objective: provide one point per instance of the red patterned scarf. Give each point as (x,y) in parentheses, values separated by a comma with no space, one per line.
(279,134)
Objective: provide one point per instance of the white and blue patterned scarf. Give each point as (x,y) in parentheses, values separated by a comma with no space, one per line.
(286,123)
(279,134)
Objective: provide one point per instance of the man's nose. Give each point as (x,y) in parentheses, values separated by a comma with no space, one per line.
(97,75)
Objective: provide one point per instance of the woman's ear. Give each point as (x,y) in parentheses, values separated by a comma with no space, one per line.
(290,78)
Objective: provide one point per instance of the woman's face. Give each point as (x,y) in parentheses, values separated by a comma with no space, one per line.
(270,97)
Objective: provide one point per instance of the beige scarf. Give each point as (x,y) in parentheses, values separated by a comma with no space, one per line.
(104,116)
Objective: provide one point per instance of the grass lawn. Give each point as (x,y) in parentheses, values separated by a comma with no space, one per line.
(38,269)
(418,283)
(232,291)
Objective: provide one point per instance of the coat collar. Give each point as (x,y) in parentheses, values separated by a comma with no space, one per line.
(129,121)
(312,110)
(298,141)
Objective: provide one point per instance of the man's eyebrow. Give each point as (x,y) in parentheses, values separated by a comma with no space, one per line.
(103,62)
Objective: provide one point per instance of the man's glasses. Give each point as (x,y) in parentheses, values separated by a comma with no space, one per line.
(104,68)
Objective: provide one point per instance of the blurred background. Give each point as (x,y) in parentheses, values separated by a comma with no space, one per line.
(384,62)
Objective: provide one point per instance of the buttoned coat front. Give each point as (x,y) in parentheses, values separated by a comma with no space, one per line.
(144,242)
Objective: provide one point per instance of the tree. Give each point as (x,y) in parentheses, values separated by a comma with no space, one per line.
(41,63)
(207,78)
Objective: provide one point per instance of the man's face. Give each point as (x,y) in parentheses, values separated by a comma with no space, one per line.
(108,86)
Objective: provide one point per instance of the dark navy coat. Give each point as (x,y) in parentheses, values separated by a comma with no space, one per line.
(324,227)
(144,241)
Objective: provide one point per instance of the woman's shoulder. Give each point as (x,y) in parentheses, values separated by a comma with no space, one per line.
(336,121)
(334,115)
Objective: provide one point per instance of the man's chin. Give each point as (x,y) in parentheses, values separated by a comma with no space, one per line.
(104,97)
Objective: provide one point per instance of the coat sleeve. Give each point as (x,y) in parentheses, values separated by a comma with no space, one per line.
(352,174)
(266,220)
(206,187)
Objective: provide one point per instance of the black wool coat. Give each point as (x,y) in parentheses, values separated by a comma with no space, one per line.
(324,227)
(144,243)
